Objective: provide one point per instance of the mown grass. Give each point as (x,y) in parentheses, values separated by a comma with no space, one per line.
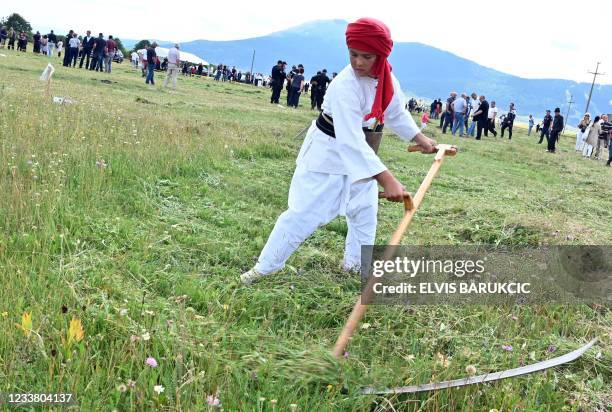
(135,209)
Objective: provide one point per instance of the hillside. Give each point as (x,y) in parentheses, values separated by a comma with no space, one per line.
(423,71)
(128,214)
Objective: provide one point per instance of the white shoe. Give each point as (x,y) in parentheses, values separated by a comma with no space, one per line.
(250,276)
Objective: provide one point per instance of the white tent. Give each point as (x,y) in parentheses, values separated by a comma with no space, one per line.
(185,57)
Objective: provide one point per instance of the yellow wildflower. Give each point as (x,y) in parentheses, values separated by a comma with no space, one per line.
(75,331)
(26,323)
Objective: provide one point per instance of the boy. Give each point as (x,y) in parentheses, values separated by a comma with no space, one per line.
(337,171)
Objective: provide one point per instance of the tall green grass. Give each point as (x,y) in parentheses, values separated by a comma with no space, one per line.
(135,209)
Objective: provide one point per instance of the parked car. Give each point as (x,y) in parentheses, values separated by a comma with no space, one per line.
(118,56)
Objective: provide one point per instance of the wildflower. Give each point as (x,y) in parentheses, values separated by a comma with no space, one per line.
(158,389)
(346,355)
(149,312)
(273,401)
(75,331)
(507,347)
(471,370)
(146,336)
(330,387)
(213,400)
(123,312)
(26,323)
(551,349)
(365,326)
(122,388)
(151,362)
(4,314)
(262,399)
(131,383)
(442,360)
(514,317)
(134,338)
(293,407)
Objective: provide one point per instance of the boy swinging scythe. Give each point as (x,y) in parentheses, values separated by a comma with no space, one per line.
(337,171)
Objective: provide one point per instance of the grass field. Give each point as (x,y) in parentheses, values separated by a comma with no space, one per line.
(134,210)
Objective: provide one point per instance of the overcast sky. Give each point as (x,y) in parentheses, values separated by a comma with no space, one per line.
(528,38)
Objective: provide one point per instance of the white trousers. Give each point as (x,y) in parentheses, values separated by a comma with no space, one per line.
(171,74)
(314,200)
(587,150)
(579,142)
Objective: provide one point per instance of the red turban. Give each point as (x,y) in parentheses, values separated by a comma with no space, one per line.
(373,36)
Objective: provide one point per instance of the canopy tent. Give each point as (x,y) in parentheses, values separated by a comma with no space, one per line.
(185,57)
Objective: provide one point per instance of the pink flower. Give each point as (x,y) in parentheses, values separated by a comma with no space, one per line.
(151,362)
(346,355)
(213,401)
(507,347)
(513,317)
(551,349)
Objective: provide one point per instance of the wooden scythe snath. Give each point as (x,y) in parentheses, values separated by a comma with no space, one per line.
(411,206)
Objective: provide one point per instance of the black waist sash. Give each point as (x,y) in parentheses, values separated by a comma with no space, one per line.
(325,123)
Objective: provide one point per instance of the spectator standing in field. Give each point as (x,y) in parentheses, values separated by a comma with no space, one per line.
(432,108)
(134,59)
(60,48)
(491,119)
(546,122)
(22,42)
(556,130)
(508,122)
(12,36)
(424,120)
(44,45)
(481,117)
(607,128)
(530,125)
(582,132)
(98,50)
(322,82)
(111,49)
(297,86)
(151,63)
(36,39)
(459,107)
(65,44)
(590,137)
(313,90)
(174,64)
(3,36)
(474,105)
(278,80)
(602,138)
(86,47)
(73,50)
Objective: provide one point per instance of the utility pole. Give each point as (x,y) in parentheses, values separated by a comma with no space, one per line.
(252,62)
(571,100)
(595,74)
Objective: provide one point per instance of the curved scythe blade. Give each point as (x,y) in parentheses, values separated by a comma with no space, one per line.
(523,370)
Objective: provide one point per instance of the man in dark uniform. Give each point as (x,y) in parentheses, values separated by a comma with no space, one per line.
(313,90)
(556,130)
(278,79)
(481,116)
(546,126)
(322,82)
(88,42)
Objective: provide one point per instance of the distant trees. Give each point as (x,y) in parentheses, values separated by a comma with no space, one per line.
(16,22)
(142,44)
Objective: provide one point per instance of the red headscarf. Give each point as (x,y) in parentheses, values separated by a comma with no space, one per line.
(373,36)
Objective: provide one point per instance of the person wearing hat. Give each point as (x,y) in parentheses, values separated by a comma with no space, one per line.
(556,130)
(545,126)
(336,170)
(174,64)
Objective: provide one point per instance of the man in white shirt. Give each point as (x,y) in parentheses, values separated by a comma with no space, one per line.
(173,65)
(474,104)
(73,50)
(134,59)
(491,123)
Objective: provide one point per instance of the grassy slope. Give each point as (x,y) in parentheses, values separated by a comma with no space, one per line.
(193,184)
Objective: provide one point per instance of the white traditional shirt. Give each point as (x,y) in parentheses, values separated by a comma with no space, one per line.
(348,100)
